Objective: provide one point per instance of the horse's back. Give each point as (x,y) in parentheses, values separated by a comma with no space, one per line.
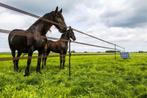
(14,33)
(57,46)
(51,44)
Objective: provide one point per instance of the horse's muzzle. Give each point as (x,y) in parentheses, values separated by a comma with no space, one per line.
(74,39)
(63,30)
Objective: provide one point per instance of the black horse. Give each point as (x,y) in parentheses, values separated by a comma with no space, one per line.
(59,46)
(34,38)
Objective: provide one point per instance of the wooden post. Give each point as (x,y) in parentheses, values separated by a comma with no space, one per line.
(69,52)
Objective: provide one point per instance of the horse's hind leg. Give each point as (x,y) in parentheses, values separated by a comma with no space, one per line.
(14,59)
(17,60)
(27,70)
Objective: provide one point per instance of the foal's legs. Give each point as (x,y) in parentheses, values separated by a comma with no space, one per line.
(63,60)
(17,60)
(44,58)
(27,70)
(60,61)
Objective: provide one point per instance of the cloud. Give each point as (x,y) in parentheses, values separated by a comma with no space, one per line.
(10,20)
(119,21)
(126,14)
(4,43)
(40,7)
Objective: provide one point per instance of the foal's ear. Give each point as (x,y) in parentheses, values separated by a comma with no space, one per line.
(56,10)
(60,11)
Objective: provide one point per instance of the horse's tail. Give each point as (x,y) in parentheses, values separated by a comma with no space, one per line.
(10,37)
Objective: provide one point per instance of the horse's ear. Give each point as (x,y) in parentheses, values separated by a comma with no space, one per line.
(60,10)
(56,10)
(69,27)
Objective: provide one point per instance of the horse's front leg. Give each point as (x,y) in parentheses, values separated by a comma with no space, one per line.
(43,57)
(27,70)
(39,61)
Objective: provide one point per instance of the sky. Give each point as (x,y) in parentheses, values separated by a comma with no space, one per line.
(123,22)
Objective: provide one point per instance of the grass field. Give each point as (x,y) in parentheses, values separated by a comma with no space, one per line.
(93,76)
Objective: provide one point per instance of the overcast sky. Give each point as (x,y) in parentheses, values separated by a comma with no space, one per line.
(123,22)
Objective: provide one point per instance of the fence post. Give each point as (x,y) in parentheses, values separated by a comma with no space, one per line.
(69,52)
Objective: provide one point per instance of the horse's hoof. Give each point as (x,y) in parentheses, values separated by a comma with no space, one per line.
(39,72)
(16,71)
(19,70)
(62,67)
(43,67)
(26,74)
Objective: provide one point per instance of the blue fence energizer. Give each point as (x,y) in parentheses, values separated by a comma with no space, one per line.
(124,55)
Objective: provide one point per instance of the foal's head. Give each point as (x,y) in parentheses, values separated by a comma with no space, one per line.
(69,34)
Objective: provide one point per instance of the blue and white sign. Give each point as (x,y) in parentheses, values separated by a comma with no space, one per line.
(124,55)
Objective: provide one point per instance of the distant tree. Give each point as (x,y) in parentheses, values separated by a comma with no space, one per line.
(73,51)
(140,51)
(111,51)
(85,51)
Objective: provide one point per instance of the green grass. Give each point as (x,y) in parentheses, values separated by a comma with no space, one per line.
(93,76)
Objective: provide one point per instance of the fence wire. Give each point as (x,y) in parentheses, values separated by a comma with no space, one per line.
(36,16)
(7,31)
(81,43)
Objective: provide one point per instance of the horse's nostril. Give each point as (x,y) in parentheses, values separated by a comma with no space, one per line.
(74,38)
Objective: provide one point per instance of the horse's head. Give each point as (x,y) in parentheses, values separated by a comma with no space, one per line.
(71,34)
(58,18)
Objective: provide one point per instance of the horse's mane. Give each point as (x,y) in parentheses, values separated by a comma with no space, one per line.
(40,22)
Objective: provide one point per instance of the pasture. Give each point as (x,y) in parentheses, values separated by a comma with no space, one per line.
(92,76)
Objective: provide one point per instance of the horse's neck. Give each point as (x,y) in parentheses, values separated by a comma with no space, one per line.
(40,26)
